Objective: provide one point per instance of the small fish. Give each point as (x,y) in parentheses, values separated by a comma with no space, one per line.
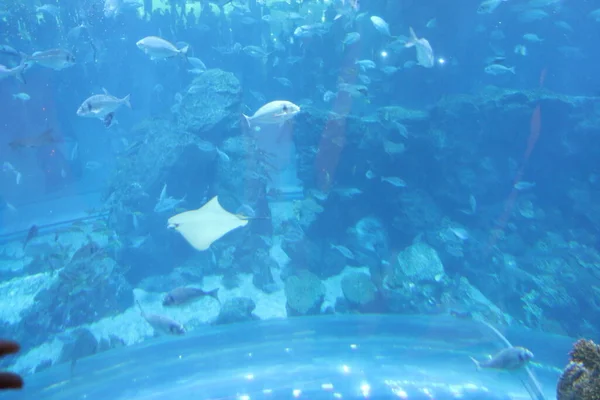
(381,26)
(167,203)
(460,233)
(102,106)
(499,69)
(21,96)
(162,324)
(520,50)
(49,9)
(159,49)
(344,251)
(509,359)
(425,56)
(197,64)
(33,232)
(394,180)
(56,59)
(365,64)
(275,112)
(532,37)
(524,185)
(183,295)
(351,38)
(489,6)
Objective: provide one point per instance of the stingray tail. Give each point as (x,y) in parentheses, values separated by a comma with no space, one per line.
(477,364)
(141,309)
(247,119)
(214,294)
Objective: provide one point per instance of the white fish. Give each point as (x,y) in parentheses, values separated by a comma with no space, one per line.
(21,96)
(520,50)
(460,233)
(275,112)
(344,251)
(499,69)
(394,180)
(365,64)
(381,26)
(159,49)
(532,37)
(197,64)
(489,6)
(56,59)
(102,106)
(524,185)
(424,50)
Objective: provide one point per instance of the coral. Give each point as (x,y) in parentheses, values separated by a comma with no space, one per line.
(420,262)
(305,293)
(580,379)
(358,288)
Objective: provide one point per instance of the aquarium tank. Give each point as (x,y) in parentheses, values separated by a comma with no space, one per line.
(299,199)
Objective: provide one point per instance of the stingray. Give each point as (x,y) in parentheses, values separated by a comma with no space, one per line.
(204,226)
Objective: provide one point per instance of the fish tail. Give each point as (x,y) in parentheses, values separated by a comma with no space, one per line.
(20,71)
(184,50)
(247,118)
(214,294)
(412,40)
(141,309)
(512,69)
(477,364)
(126,100)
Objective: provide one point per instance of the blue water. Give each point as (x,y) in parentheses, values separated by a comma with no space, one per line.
(455,178)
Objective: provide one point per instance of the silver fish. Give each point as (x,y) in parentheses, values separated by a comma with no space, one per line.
(158,48)
(510,358)
(102,106)
(56,59)
(183,295)
(162,324)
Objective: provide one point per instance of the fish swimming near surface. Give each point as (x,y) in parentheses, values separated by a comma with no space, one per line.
(162,324)
(508,359)
(43,139)
(102,106)
(183,295)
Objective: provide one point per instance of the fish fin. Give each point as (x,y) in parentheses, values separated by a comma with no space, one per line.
(337,17)
(105,91)
(126,100)
(477,364)
(247,118)
(214,294)
(108,119)
(183,51)
(412,40)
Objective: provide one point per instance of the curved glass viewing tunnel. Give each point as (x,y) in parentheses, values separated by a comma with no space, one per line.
(326,357)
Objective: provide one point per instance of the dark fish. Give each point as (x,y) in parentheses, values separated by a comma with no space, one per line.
(182,295)
(510,358)
(33,231)
(162,324)
(45,138)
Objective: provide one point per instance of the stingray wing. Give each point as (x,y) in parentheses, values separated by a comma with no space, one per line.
(204,226)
